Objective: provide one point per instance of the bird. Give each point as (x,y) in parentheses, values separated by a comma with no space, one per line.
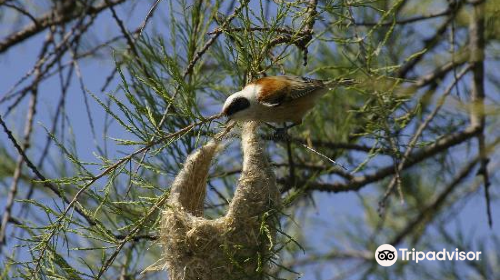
(278,99)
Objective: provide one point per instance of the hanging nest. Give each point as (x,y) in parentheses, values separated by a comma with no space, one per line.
(236,246)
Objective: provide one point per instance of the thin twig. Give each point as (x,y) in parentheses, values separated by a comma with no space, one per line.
(358,182)
(46,62)
(418,133)
(322,155)
(93,179)
(311,15)
(427,212)
(137,34)
(259,29)
(17,172)
(188,71)
(148,16)
(45,22)
(22,11)
(39,175)
(408,20)
(429,43)
(158,204)
(291,163)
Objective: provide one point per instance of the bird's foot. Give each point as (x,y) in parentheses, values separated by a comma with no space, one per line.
(281,133)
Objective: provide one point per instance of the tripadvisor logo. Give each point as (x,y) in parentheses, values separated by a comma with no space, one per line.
(387,255)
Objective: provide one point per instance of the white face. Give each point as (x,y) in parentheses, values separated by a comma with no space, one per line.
(249,93)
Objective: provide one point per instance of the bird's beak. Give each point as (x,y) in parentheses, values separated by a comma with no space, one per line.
(224,112)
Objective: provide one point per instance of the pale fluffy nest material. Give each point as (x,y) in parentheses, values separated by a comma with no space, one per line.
(238,245)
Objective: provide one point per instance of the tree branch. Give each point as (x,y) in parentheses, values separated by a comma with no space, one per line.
(477,117)
(18,171)
(46,21)
(358,182)
(429,210)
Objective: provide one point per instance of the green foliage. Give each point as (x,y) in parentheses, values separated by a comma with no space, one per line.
(180,75)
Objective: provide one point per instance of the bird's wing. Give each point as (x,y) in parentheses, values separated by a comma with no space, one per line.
(283,89)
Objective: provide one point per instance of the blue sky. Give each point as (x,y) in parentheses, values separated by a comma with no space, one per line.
(332,209)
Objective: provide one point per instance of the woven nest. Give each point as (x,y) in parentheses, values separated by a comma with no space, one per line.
(235,246)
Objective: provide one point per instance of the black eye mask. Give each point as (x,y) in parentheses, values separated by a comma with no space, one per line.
(238,104)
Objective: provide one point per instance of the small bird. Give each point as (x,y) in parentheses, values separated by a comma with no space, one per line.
(277,99)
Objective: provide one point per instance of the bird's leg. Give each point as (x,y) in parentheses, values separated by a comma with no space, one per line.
(282,132)
(278,131)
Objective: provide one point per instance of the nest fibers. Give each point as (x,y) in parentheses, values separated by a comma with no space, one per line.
(235,246)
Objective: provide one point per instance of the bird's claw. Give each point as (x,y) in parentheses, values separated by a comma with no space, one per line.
(281,133)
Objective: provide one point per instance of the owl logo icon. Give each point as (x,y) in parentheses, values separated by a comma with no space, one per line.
(386,255)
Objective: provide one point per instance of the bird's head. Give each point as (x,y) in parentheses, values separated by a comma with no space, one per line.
(238,106)
(235,106)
